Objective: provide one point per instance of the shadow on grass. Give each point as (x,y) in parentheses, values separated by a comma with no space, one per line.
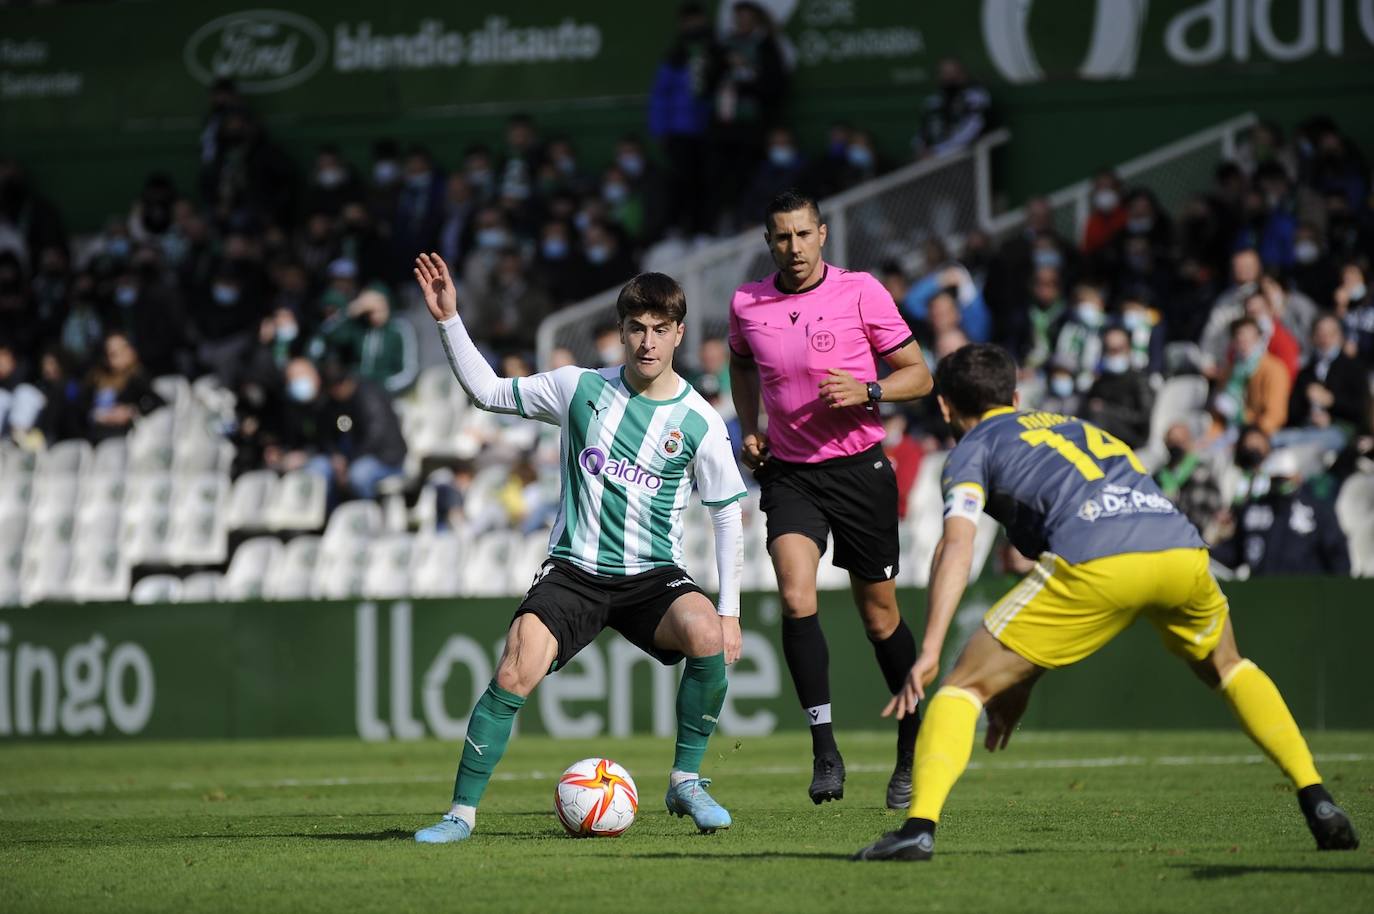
(1231,870)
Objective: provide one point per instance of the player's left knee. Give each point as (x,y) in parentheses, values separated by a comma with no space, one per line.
(881,618)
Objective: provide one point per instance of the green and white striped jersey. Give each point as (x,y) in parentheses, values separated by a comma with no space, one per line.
(628,466)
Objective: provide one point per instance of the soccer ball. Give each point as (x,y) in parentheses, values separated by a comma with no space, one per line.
(596,798)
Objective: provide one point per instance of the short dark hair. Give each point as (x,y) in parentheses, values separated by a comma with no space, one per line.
(1246,321)
(976,378)
(789,201)
(655,293)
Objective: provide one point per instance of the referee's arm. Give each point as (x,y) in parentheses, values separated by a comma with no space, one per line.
(910,378)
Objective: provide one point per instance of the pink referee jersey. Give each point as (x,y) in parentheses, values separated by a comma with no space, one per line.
(845,321)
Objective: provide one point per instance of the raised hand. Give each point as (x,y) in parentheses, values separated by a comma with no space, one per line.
(441,297)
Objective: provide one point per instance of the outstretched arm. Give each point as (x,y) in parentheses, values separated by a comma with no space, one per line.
(948,580)
(482,385)
(729,530)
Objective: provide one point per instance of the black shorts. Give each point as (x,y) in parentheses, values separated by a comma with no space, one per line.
(855,498)
(576,605)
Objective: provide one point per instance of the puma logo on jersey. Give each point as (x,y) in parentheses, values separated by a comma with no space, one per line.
(708,718)
(477,747)
(596,409)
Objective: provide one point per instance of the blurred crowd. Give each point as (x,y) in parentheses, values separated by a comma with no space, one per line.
(1257,285)
(289,283)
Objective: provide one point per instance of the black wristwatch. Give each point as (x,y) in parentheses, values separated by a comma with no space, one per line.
(875,392)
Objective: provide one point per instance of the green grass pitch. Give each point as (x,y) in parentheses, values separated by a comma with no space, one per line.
(1062,821)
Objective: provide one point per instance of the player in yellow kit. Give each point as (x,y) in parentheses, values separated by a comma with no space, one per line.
(1111,548)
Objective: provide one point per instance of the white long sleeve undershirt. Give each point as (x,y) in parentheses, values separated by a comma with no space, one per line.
(487,390)
(729,529)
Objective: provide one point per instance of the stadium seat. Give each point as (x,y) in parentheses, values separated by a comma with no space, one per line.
(52,511)
(150,442)
(43,574)
(530,552)
(291,573)
(12,528)
(248,569)
(174,389)
(490,552)
(65,458)
(98,573)
(437,565)
(157,588)
(97,524)
(199,451)
(1177,401)
(388,567)
(16,490)
(146,535)
(1355,510)
(201,587)
(15,461)
(341,569)
(249,500)
(198,534)
(100,493)
(111,456)
(297,502)
(352,521)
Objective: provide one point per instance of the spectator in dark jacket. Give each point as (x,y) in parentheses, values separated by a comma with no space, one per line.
(364,434)
(956,115)
(782,168)
(1331,396)
(117,391)
(1189,481)
(1119,401)
(680,106)
(1291,528)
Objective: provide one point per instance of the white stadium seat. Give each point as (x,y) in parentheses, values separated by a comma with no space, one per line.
(388,566)
(1355,510)
(293,570)
(437,566)
(198,533)
(157,588)
(352,521)
(248,569)
(1178,400)
(150,442)
(490,552)
(99,574)
(297,502)
(201,587)
(43,575)
(249,500)
(111,456)
(341,569)
(65,458)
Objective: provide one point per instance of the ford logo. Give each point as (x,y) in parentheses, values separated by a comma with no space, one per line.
(261,50)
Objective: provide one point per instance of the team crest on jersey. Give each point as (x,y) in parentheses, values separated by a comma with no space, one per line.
(671,445)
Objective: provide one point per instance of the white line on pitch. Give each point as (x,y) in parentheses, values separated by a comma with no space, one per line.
(1116,761)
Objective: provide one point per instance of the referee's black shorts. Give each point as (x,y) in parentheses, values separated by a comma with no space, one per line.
(854,498)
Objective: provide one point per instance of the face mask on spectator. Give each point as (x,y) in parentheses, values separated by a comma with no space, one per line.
(1176,453)
(1306,251)
(1116,364)
(330,177)
(859,156)
(1105,200)
(420,181)
(599,253)
(1139,225)
(302,389)
(287,332)
(632,163)
(1135,320)
(386,171)
(1358,292)
(782,156)
(554,248)
(1047,257)
(225,295)
(1089,313)
(582,220)
(480,178)
(125,296)
(1061,385)
(615,192)
(491,238)
(118,248)
(566,165)
(1248,458)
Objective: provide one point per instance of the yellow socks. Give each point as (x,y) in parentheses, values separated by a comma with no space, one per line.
(1266,719)
(943,747)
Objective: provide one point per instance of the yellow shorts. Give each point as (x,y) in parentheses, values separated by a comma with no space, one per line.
(1061,613)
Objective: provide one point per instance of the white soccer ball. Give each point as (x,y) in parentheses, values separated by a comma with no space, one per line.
(596,798)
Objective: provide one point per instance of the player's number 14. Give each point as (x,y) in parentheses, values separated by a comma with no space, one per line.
(1100,444)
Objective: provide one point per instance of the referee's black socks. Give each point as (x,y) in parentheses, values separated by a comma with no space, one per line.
(808,660)
(896,656)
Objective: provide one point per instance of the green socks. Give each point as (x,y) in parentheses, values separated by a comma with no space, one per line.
(700,696)
(488,732)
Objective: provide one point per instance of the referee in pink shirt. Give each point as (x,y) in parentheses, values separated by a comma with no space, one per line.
(808,338)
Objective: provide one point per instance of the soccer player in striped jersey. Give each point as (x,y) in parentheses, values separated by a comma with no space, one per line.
(1111,549)
(634,441)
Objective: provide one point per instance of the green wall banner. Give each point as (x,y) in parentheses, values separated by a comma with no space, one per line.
(1098,82)
(405,669)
